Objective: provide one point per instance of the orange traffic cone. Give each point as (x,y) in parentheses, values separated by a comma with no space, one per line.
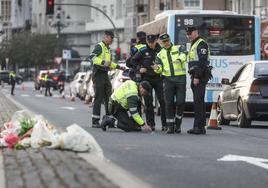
(212,123)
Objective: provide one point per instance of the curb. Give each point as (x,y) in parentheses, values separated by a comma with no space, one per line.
(2,171)
(111,171)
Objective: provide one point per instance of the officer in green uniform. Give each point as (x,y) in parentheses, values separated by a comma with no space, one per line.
(200,71)
(170,62)
(102,63)
(123,106)
(12,80)
(47,80)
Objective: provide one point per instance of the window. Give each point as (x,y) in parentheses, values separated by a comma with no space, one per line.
(237,74)
(245,74)
(261,69)
(118,9)
(112,10)
(225,35)
(192,4)
(104,8)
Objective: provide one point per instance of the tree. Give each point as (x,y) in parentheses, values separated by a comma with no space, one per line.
(32,50)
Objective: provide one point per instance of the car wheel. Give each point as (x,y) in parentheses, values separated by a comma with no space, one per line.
(220,118)
(243,121)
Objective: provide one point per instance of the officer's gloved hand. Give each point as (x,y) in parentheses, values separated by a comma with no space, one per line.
(123,68)
(146,128)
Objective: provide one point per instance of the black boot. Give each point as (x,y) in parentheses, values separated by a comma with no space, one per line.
(178,125)
(171,128)
(107,121)
(95,123)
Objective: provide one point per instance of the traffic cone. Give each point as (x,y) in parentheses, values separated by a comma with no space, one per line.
(22,87)
(212,123)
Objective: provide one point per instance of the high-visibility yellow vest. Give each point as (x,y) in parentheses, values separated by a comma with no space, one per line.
(127,89)
(139,46)
(176,56)
(104,57)
(11,74)
(192,55)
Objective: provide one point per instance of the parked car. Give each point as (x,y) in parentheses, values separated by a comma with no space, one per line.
(75,84)
(119,77)
(4,77)
(54,73)
(245,98)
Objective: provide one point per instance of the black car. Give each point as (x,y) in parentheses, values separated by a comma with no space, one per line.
(245,98)
(4,77)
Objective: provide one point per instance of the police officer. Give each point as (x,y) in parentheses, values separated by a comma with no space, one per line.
(61,83)
(123,105)
(102,63)
(170,62)
(134,73)
(146,57)
(12,79)
(47,80)
(198,61)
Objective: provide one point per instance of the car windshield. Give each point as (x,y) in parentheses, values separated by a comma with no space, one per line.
(261,70)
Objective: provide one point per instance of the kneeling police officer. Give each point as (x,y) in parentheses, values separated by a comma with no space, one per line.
(123,106)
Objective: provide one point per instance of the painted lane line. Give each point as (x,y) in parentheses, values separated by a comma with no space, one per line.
(174,156)
(260,162)
(24,95)
(67,108)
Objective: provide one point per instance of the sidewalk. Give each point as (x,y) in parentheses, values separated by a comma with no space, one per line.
(38,168)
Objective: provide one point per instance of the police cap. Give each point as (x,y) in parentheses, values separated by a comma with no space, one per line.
(164,37)
(147,86)
(190,29)
(141,34)
(151,38)
(109,33)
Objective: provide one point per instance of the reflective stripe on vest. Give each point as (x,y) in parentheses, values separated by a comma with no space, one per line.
(169,68)
(192,55)
(139,46)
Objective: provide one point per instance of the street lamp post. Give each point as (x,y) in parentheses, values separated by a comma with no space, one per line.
(59,22)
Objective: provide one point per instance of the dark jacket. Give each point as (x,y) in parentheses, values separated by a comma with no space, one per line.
(145,58)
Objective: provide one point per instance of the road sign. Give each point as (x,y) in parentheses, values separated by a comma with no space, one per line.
(66,54)
(58,60)
(265,48)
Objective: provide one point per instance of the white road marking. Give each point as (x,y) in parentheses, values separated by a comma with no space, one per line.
(174,156)
(24,95)
(67,108)
(39,95)
(260,162)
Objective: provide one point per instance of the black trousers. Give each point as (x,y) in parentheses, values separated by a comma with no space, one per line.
(12,88)
(103,90)
(125,122)
(199,104)
(174,94)
(48,92)
(149,107)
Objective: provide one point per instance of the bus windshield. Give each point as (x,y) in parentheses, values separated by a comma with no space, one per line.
(225,35)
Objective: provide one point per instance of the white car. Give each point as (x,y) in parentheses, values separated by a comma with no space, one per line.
(75,84)
(119,77)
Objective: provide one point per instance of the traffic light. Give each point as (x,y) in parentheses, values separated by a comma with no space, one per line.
(50,7)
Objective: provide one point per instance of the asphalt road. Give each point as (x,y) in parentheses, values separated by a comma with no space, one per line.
(168,160)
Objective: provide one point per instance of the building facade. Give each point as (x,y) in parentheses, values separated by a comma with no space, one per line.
(72,19)
(116,11)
